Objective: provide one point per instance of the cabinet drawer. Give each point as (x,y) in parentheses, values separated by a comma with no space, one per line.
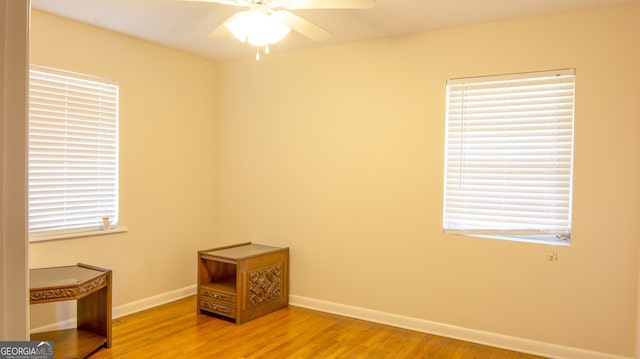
(228,310)
(207,293)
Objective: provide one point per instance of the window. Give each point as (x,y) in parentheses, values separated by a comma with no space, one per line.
(73,153)
(509,156)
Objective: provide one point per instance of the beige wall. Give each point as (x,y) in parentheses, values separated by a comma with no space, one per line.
(167,168)
(338,153)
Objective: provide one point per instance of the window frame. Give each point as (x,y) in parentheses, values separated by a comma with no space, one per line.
(73,142)
(474,219)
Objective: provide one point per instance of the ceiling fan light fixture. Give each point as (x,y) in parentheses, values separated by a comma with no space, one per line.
(257,27)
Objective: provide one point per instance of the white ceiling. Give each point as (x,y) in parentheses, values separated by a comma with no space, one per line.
(185,25)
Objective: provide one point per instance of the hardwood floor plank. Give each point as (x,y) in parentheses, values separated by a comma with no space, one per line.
(176,330)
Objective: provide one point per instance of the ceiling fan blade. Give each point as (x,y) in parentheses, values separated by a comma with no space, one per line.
(222,30)
(224,2)
(327,4)
(306,28)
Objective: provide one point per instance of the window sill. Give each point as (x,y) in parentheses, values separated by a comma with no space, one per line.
(548,240)
(78,235)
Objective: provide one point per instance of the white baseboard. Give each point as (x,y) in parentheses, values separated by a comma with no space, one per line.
(63,324)
(450,331)
(154,301)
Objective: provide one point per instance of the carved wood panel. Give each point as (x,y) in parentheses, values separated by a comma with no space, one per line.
(265,284)
(67,293)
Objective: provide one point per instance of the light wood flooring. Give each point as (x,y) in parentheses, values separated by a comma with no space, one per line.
(175,330)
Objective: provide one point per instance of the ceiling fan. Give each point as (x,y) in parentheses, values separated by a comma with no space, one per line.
(268,21)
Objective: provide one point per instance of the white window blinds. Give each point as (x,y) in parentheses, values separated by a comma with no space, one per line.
(509,156)
(73,152)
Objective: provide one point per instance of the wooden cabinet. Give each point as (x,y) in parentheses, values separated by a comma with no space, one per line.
(243,281)
(91,287)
